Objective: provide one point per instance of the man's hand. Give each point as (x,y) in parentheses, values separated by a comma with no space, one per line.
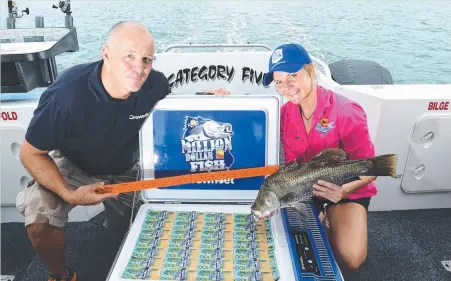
(220,92)
(85,195)
(329,191)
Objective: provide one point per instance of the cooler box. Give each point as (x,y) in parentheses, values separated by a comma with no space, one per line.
(204,231)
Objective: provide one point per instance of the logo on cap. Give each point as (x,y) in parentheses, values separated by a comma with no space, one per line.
(277,56)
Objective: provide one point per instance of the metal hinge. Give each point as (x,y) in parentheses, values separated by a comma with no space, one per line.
(447,265)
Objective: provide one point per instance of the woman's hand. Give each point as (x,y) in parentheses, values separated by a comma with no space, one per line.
(329,191)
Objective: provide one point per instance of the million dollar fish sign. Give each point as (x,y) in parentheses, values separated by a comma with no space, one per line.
(207,144)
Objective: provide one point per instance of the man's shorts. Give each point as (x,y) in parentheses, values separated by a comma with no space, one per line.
(40,205)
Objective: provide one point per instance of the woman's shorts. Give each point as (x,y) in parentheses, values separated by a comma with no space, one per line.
(322,204)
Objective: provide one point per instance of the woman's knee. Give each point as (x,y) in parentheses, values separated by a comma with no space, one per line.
(351,253)
(349,235)
(351,260)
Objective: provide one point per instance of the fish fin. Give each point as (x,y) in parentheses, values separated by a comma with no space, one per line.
(293,164)
(384,165)
(301,209)
(351,180)
(288,198)
(329,156)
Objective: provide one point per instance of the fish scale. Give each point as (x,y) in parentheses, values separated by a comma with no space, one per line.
(346,172)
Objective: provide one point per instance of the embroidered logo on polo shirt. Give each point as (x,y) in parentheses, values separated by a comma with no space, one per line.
(135,117)
(324,125)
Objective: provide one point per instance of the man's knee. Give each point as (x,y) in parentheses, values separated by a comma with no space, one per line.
(38,232)
(41,206)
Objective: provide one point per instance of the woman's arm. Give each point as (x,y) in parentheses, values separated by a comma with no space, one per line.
(335,193)
(349,188)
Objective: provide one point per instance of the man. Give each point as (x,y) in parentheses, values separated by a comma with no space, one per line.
(89,120)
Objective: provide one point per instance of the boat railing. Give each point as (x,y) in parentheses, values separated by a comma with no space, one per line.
(216,46)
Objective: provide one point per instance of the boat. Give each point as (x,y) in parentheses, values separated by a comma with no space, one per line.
(409,237)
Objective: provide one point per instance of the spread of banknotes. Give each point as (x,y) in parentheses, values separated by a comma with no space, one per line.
(198,246)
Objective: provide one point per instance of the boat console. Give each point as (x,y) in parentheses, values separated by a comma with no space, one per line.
(28,54)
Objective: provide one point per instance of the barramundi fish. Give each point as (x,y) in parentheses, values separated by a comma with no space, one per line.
(292,184)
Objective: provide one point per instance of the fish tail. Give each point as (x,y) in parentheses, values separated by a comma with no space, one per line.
(384,165)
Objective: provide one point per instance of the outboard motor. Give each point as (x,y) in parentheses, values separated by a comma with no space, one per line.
(359,72)
(13,14)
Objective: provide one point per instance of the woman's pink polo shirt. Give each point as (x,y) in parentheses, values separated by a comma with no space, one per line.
(337,122)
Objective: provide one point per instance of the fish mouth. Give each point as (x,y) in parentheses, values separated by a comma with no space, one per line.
(258,215)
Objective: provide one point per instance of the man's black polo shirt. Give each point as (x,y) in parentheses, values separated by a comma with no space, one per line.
(96,132)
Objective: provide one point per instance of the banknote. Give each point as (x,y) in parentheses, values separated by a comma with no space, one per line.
(216,235)
(173,274)
(193,264)
(186,216)
(252,276)
(135,274)
(176,253)
(214,217)
(155,225)
(143,253)
(136,264)
(153,216)
(213,275)
(150,234)
(183,226)
(243,218)
(181,243)
(178,261)
(215,244)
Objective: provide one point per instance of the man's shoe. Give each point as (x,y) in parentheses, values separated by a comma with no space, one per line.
(72,277)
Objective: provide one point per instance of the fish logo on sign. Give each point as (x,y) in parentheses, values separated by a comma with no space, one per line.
(207,144)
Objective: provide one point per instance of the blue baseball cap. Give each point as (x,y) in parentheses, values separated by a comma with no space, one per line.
(287,58)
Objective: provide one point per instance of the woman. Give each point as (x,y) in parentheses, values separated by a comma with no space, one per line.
(315,119)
